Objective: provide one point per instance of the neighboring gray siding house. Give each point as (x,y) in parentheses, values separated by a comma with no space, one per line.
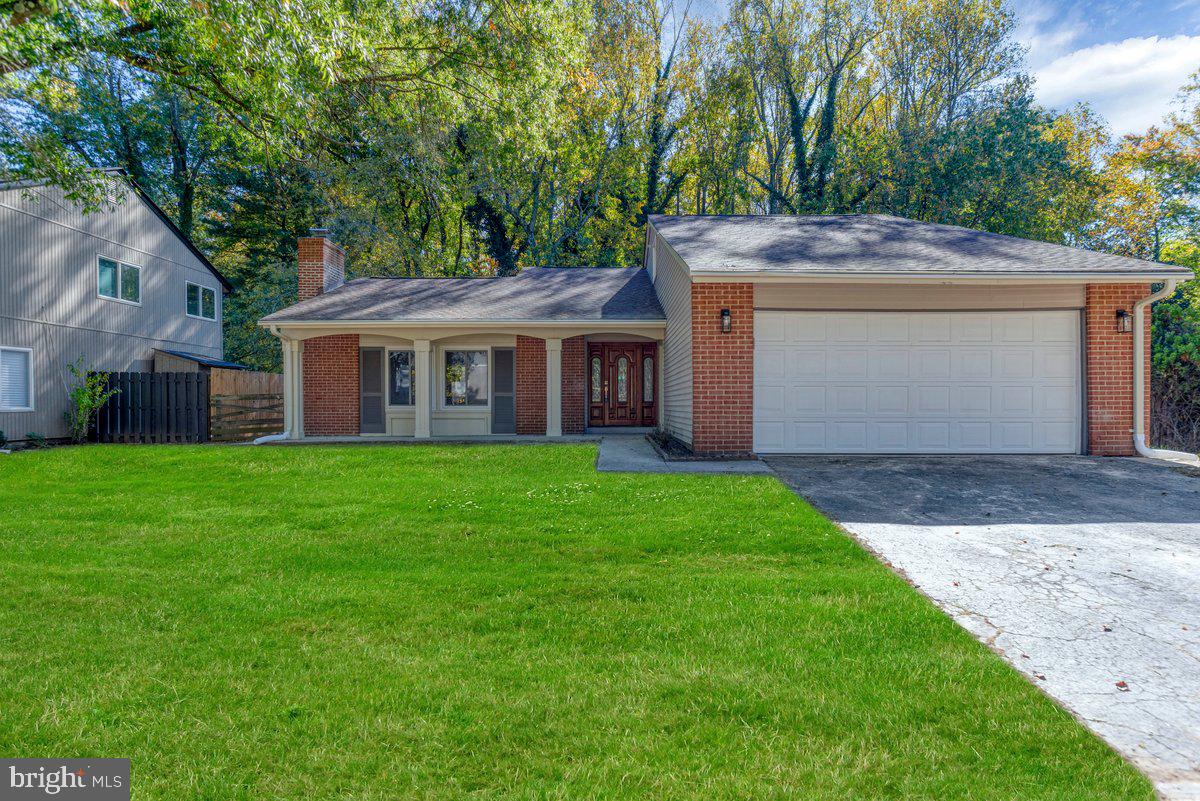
(111,286)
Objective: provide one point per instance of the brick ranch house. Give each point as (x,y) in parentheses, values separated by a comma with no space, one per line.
(740,335)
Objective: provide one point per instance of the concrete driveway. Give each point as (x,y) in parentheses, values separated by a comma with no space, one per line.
(1084,573)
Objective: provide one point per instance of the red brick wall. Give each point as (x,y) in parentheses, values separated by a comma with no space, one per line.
(331,385)
(531,385)
(1110,368)
(722,369)
(574,386)
(320,265)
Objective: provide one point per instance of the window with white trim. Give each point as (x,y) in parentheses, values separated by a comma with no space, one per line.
(466,378)
(16,380)
(118,280)
(201,301)
(401,378)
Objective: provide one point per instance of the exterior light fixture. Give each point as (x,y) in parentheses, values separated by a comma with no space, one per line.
(1124,321)
(726,321)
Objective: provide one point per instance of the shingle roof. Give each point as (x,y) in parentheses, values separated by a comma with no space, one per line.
(207,361)
(875,244)
(579,293)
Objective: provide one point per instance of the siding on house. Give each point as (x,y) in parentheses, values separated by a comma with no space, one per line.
(673,284)
(48,268)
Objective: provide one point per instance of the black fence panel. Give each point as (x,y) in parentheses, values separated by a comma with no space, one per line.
(154,407)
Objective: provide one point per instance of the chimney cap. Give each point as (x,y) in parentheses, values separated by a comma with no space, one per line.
(319,232)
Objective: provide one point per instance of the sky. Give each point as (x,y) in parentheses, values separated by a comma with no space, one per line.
(1127,59)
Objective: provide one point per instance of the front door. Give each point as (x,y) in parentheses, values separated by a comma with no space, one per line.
(622,383)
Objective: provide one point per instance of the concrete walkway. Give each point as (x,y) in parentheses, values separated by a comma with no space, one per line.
(1083,573)
(632,453)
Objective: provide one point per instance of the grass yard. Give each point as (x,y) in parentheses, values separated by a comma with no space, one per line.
(450,622)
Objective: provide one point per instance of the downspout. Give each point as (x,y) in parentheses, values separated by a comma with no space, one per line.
(285,434)
(1139,380)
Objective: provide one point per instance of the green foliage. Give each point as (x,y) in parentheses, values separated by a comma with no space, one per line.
(88,394)
(3,439)
(35,440)
(246,341)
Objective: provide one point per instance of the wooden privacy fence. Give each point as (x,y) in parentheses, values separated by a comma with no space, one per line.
(244,404)
(155,407)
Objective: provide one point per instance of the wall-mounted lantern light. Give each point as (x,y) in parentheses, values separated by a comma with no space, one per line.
(726,321)
(1124,321)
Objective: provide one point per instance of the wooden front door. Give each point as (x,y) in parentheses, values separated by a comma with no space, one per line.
(622,383)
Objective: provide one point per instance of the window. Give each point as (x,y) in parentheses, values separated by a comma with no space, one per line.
(119,281)
(16,380)
(401,378)
(622,380)
(648,380)
(466,378)
(595,379)
(201,302)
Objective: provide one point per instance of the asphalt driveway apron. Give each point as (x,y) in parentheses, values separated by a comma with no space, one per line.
(1084,573)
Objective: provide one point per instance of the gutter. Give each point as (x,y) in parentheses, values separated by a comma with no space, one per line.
(1139,380)
(929,277)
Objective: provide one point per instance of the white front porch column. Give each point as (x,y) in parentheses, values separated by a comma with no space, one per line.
(554,387)
(424,388)
(289,391)
(293,387)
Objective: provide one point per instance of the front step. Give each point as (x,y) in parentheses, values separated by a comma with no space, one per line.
(598,430)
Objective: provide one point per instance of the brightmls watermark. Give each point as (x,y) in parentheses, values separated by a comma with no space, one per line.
(70,779)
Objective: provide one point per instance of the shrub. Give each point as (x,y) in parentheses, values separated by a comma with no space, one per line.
(89,393)
(35,439)
(3,439)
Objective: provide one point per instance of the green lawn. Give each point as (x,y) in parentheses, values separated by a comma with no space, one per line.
(448,622)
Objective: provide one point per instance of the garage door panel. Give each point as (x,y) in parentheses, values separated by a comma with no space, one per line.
(771,329)
(889,437)
(1016,328)
(888,328)
(1014,401)
(848,363)
(887,364)
(1057,328)
(848,327)
(971,328)
(890,400)
(848,437)
(1015,364)
(845,401)
(938,382)
(932,401)
(931,329)
(1060,364)
(930,365)
(809,365)
(808,401)
(770,402)
(807,328)
(972,364)
(770,365)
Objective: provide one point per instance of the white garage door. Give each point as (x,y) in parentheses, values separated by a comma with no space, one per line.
(916,382)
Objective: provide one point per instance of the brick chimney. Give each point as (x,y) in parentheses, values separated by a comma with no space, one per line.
(321,264)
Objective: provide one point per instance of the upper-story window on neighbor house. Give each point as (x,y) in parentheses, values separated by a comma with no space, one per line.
(119,281)
(201,302)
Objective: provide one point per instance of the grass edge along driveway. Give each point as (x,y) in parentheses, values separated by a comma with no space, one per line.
(490,621)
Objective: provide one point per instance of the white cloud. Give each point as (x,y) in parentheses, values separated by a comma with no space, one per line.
(1045,31)
(1131,82)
